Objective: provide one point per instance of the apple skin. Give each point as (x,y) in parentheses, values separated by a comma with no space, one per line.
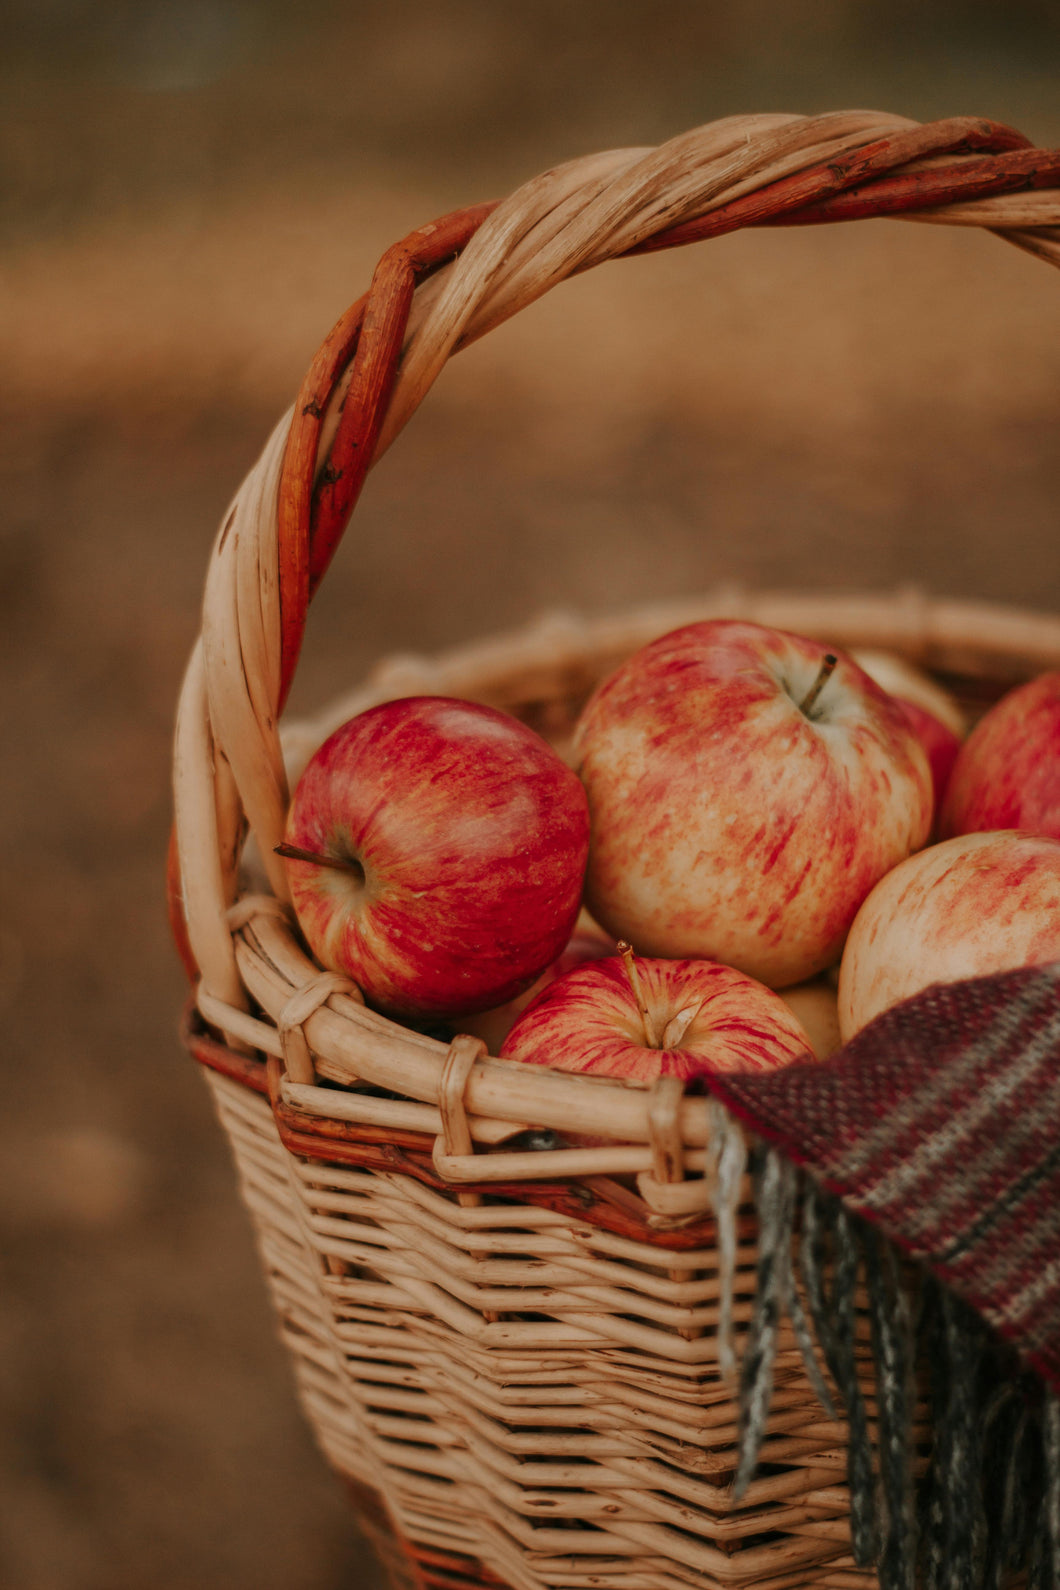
(970,906)
(726,824)
(814,1006)
(493,1026)
(932,711)
(471,839)
(1007,774)
(909,683)
(940,744)
(589,1022)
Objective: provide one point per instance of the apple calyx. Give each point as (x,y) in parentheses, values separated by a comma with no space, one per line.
(678,1025)
(317,859)
(824,673)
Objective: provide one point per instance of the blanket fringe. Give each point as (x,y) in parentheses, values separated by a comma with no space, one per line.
(976,1508)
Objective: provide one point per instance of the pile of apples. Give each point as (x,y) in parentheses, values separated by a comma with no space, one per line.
(745,826)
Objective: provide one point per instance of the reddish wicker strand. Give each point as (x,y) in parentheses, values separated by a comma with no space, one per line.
(296,480)
(400,271)
(369,333)
(932,187)
(788,199)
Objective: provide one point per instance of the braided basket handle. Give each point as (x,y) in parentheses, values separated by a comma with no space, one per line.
(436,291)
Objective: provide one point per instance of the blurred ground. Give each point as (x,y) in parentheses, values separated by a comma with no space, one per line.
(192,193)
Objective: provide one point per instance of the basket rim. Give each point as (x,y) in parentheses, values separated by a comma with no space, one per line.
(340,1042)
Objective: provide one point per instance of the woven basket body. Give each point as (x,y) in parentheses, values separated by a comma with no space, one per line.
(513,1354)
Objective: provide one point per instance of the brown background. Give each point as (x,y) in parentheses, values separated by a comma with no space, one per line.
(192,191)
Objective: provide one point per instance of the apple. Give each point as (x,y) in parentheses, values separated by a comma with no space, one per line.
(903,679)
(970,906)
(435,853)
(932,711)
(814,1005)
(747,789)
(647,1018)
(1008,772)
(493,1026)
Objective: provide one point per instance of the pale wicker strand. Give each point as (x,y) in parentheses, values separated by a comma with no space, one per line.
(456,1068)
(258,584)
(250,906)
(290,1022)
(1044,244)
(260,1035)
(664,1129)
(231,823)
(998,211)
(204,887)
(241,653)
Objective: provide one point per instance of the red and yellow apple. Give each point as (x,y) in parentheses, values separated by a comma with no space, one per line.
(970,906)
(933,713)
(436,851)
(743,800)
(1007,774)
(648,1018)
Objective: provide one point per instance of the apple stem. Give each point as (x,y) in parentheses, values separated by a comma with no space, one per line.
(296,853)
(825,672)
(626,952)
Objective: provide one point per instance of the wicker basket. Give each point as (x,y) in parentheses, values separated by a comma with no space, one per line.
(516,1355)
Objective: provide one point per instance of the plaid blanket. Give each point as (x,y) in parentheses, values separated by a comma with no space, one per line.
(940,1125)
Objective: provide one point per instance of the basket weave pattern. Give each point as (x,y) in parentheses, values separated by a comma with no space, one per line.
(519,1376)
(521,1349)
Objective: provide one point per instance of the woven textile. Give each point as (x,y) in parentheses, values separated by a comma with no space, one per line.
(940,1124)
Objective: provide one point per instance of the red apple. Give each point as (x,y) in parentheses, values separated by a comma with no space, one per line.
(903,679)
(935,716)
(1008,772)
(743,802)
(970,906)
(657,1018)
(436,851)
(493,1026)
(940,744)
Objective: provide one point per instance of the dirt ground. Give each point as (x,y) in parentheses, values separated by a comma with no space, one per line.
(192,194)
